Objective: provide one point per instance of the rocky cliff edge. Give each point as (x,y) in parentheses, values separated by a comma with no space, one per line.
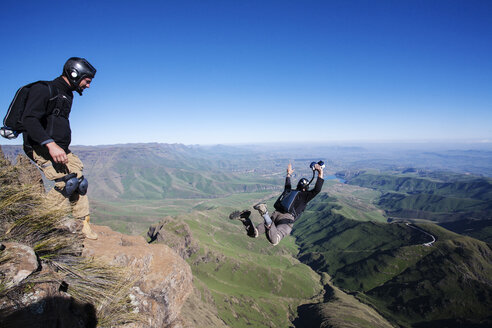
(163,280)
(50,276)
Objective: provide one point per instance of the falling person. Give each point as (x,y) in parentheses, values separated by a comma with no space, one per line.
(288,207)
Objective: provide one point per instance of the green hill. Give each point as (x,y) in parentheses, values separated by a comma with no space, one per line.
(161,171)
(339,310)
(358,255)
(434,207)
(436,196)
(452,283)
(249,282)
(377,262)
(479,229)
(387,266)
(462,186)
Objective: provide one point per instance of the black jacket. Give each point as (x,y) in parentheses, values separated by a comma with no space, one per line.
(42,127)
(303,197)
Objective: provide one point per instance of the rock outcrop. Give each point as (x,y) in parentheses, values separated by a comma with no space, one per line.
(163,279)
(175,234)
(18,262)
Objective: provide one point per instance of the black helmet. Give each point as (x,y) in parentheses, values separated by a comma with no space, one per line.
(302,184)
(76,69)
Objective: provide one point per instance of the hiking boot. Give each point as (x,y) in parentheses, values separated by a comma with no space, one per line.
(240,215)
(86,229)
(261,208)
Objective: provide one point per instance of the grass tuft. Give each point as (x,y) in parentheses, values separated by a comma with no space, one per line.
(24,219)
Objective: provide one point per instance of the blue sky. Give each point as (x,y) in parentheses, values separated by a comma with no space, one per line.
(207,72)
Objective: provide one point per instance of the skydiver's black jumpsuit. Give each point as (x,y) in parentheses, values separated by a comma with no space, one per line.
(283,222)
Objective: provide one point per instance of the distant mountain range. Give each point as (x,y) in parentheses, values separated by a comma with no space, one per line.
(163,171)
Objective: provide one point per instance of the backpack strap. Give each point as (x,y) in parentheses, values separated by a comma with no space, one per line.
(50,87)
(54,101)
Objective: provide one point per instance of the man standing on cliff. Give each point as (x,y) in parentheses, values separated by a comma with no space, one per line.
(288,207)
(47,137)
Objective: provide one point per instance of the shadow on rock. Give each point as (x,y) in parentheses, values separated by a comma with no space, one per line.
(56,312)
(308,317)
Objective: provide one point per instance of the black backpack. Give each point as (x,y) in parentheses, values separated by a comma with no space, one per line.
(285,202)
(12,123)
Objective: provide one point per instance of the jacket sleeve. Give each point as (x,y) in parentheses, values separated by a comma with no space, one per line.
(34,112)
(316,190)
(288,185)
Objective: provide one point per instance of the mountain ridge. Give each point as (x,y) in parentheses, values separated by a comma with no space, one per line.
(402,278)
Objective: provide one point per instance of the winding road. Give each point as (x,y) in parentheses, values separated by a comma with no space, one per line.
(423,231)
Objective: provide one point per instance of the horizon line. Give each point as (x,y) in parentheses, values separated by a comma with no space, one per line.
(484,142)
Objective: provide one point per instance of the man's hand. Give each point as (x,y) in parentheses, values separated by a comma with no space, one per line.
(57,153)
(289,170)
(318,168)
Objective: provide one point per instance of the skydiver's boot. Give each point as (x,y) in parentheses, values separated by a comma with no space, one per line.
(86,229)
(243,216)
(262,209)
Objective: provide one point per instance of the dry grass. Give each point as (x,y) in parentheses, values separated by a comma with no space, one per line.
(107,287)
(24,220)
(3,284)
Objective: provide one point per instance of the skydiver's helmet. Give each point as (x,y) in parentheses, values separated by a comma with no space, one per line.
(76,69)
(302,184)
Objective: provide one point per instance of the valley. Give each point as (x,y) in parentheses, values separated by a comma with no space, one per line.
(358,257)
